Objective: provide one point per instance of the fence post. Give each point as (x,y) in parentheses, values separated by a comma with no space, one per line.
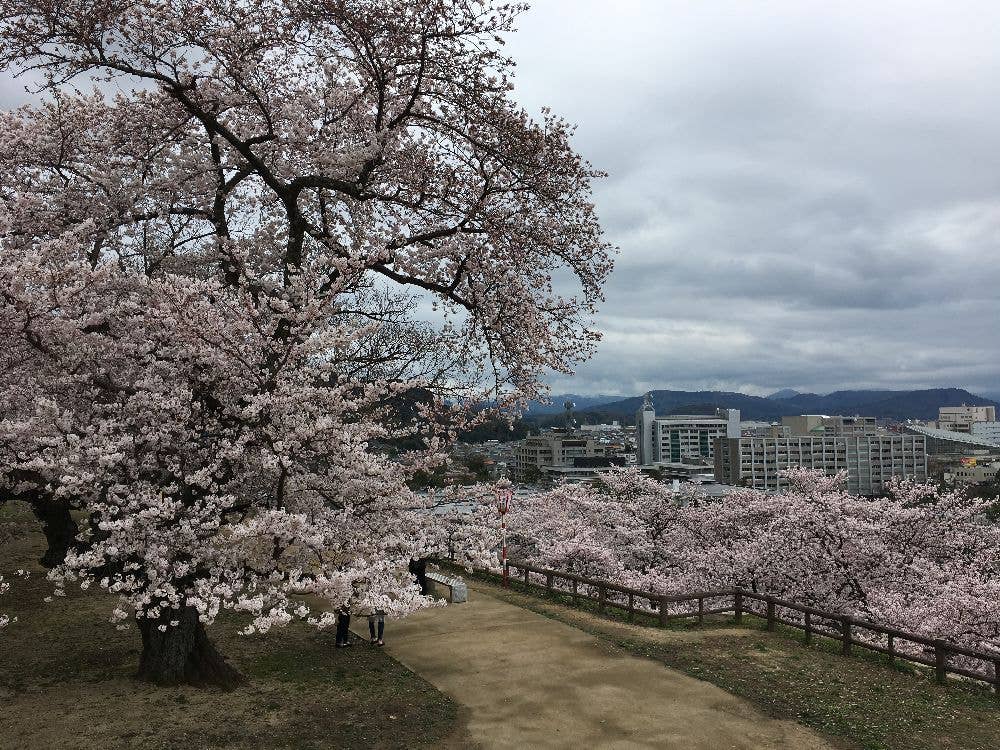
(574,590)
(601,596)
(845,627)
(891,643)
(809,628)
(738,607)
(701,610)
(770,615)
(996,677)
(631,607)
(663,621)
(526,576)
(548,581)
(940,663)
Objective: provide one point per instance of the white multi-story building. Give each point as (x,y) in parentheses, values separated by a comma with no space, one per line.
(551,449)
(869,460)
(961,418)
(681,437)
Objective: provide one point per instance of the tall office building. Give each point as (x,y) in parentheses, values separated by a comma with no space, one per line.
(681,437)
(870,460)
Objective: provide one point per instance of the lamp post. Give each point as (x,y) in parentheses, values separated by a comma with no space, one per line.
(504,493)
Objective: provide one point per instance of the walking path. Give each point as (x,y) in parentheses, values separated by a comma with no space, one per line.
(531,682)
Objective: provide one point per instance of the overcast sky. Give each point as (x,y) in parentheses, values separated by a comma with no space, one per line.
(805,194)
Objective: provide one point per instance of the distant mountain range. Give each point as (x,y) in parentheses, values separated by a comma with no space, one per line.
(918,404)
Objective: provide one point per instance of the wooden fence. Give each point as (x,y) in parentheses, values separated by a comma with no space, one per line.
(930,652)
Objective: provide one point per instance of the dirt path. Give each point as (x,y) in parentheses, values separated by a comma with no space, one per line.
(529,681)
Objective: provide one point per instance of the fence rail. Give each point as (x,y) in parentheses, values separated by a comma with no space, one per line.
(937,653)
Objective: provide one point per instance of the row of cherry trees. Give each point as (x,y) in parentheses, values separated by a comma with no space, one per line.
(921,559)
(258,263)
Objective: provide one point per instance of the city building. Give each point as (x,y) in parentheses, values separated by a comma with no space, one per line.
(951,442)
(754,428)
(557,448)
(961,418)
(583,469)
(821,424)
(974,470)
(869,460)
(988,430)
(680,471)
(680,437)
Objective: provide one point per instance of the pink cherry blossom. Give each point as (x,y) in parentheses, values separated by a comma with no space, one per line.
(246,297)
(922,559)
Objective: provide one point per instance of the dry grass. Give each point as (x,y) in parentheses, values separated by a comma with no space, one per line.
(66,681)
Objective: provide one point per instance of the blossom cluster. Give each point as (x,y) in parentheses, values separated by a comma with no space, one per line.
(217,287)
(921,559)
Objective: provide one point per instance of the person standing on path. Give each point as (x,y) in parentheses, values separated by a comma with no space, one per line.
(343,629)
(376,619)
(419,569)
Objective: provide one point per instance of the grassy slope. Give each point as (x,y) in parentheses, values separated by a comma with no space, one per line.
(858,701)
(66,681)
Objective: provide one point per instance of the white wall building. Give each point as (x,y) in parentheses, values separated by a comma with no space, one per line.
(681,437)
(551,449)
(961,418)
(870,460)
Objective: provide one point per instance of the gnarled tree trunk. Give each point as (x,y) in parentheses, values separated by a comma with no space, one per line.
(183,654)
(58,525)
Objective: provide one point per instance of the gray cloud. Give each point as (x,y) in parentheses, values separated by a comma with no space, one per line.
(804,195)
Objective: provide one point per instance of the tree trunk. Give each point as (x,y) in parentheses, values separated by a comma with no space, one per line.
(183,654)
(59,527)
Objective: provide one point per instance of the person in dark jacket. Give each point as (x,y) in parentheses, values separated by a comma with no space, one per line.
(343,629)
(419,569)
(376,627)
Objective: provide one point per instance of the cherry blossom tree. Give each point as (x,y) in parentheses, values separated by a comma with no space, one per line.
(248,296)
(463,525)
(922,559)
